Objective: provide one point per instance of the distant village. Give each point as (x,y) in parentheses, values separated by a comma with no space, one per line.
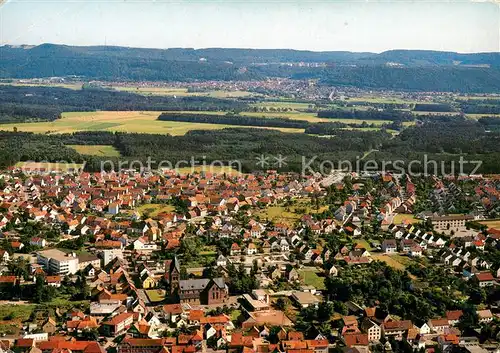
(273,262)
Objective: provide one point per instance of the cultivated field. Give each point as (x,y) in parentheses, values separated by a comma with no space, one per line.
(96,150)
(289,214)
(400,217)
(491,224)
(182,92)
(123,121)
(41,166)
(154,209)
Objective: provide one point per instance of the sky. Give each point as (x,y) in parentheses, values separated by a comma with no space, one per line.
(320,25)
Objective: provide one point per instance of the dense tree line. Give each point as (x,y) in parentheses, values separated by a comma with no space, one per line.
(235,120)
(45,102)
(243,120)
(480,106)
(14,113)
(332,128)
(433,107)
(428,78)
(456,137)
(441,142)
(370,114)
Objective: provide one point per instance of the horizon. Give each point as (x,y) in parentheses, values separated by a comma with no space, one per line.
(245,48)
(463,26)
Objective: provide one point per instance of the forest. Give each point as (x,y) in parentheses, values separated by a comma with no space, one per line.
(418,70)
(243,120)
(13,113)
(440,142)
(233,119)
(370,114)
(21,103)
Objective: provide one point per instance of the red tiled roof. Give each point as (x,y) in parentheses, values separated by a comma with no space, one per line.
(356,339)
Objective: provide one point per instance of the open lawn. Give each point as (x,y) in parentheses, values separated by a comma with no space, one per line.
(123,121)
(289,214)
(154,209)
(400,217)
(396,261)
(12,316)
(155,295)
(392,260)
(17,312)
(310,278)
(96,150)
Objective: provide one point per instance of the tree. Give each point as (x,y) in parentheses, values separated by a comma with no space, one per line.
(282,304)
(469,320)
(42,293)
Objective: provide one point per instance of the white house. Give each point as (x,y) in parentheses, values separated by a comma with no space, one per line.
(37,241)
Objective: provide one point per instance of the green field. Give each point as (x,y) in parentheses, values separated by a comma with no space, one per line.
(123,121)
(491,224)
(30,166)
(96,150)
(154,209)
(400,217)
(310,278)
(182,92)
(155,295)
(288,214)
(12,316)
(73,85)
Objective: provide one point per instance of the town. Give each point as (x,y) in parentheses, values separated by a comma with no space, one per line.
(255,263)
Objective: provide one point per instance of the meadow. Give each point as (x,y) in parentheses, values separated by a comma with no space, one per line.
(289,214)
(182,92)
(491,224)
(65,167)
(122,121)
(96,150)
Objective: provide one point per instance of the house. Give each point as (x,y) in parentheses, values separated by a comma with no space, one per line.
(396,329)
(37,241)
(439,325)
(453,317)
(251,249)
(49,326)
(484,279)
(424,329)
(143,244)
(373,330)
(235,249)
(203,291)
(114,208)
(485,316)
(390,246)
(148,280)
(117,325)
(333,271)
(4,256)
(53,281)
(221,261)
(305,299)
(172,312)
